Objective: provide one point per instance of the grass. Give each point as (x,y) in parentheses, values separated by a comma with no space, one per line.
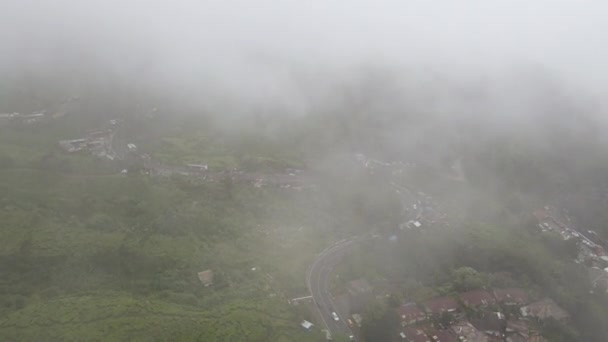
(119,316)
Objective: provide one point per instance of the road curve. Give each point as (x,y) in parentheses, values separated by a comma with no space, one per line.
(318,278)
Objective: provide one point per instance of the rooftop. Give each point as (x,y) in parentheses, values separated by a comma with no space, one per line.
(442,335)
(467,332)
(410,313)
(492,324)
(206,277)
(511,296)
(477,298)
(441,304)
(306,324)
(543,309)
(411,334)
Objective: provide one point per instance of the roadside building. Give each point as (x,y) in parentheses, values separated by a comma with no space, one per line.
(206,277)
(511,296)
(477,298)
(543,309)
(306,325)
(410,313)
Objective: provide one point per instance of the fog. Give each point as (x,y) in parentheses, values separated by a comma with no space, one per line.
(258,51)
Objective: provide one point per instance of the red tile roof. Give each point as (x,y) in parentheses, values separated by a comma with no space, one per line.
(441,304)
(477,298)
(410,313)
(543,309)
(443,336)
(511,296)
(415,335)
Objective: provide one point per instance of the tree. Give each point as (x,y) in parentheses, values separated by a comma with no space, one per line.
(467,278)
(380,322)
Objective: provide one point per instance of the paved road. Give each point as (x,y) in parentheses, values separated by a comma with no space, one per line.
(318,279)
(319,274)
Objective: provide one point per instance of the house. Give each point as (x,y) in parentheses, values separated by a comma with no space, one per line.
(410,313)
(411,334)
(493,324)
(477,298)
(73,145)
(198,167)
(206,277)
(543,309)
(511,296)
(517,330)
(440,305)
(441,335)
(465,331)
(306,325)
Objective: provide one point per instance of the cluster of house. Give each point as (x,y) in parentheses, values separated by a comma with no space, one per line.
(499,315)
(591,252)
(23,118)
(98,143)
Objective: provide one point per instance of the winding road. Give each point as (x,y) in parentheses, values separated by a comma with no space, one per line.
(318,278)
(319,274)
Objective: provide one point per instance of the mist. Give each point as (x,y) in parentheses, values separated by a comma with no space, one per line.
(276,170)
(255,53)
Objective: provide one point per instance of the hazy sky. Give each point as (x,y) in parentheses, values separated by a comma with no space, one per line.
(247,44)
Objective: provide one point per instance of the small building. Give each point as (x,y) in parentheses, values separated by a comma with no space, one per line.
(543,309)
(517,330)
(306,325)
(411,334)
(198,167)
(132,147)
(444,335)
(511,296)
(206,277)
(441,304)
(465,331)
(493,324)
(410,313)
(73,145)
(477,298)
(413,224)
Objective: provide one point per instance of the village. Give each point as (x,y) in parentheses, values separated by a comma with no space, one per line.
(591,248)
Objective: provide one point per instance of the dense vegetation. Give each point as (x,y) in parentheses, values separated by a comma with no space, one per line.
(89,253)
